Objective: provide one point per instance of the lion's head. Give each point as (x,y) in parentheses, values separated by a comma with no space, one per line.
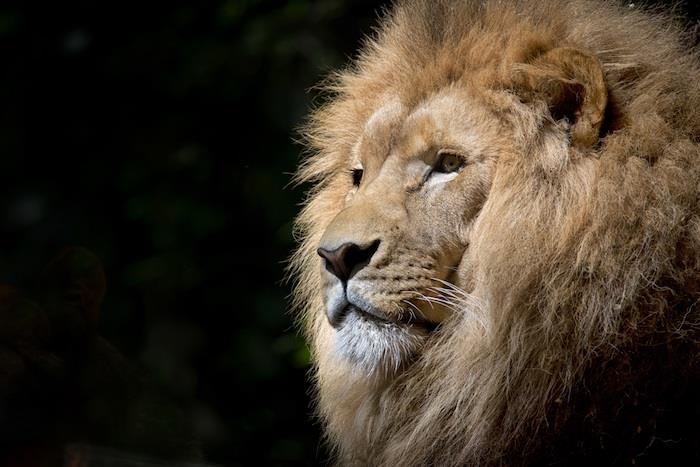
(505,213)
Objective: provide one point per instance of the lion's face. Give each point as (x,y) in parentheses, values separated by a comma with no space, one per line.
(415,184)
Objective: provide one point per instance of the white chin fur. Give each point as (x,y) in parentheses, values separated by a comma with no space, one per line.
(374,347)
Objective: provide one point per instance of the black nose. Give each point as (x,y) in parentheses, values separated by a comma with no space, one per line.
(348,258)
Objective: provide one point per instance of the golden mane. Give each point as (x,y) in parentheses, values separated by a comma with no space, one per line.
(592,276)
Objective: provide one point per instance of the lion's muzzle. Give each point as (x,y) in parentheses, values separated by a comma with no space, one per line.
(344,262)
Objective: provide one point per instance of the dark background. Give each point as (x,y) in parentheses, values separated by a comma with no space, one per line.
(160,137)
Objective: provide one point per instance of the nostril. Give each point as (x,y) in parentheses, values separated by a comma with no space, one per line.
(357,257)
(348,258)
(329,260)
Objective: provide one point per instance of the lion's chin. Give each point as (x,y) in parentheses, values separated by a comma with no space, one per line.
(377,347)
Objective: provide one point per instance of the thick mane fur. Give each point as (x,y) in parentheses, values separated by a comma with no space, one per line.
(586,337)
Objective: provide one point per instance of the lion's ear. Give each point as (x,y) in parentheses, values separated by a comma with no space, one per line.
(571,82)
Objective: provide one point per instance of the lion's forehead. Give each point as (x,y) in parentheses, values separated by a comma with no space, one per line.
(391,110)
(450,118)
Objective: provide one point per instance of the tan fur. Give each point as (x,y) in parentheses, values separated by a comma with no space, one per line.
(580,252)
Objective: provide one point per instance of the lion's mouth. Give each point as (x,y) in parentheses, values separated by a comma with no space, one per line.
(377,343)
(380,319)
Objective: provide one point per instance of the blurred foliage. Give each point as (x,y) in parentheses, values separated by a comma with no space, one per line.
(159,136)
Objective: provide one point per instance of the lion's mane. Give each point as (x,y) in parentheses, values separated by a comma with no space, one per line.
(586,345)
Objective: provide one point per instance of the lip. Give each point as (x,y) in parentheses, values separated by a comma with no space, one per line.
(381,319)
(369,314)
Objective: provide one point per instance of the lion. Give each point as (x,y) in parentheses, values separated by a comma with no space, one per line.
(500,255)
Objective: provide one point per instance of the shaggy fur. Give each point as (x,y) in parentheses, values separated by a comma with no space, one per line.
(583,342)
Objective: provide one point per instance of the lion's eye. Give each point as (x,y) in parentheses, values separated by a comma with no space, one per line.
(448,162)
(357,176)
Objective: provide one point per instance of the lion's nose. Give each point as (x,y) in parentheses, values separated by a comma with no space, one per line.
(348,258)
